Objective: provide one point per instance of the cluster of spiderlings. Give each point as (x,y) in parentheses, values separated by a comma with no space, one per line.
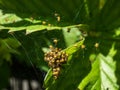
(55,58)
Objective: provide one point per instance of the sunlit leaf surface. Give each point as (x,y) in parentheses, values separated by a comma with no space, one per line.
(102,75)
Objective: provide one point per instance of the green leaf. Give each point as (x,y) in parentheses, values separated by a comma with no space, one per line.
(102,75)
(8,18)
(32,55)
(72,36)
(72,49)
(8,46)
(48,78)
(98,14)
(50,83)
(14,23)
(117,32)
(93,8)
(44,8)
(109,16)
(34,15)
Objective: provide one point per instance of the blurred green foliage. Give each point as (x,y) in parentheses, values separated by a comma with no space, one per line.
(89,68)
(8,46)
